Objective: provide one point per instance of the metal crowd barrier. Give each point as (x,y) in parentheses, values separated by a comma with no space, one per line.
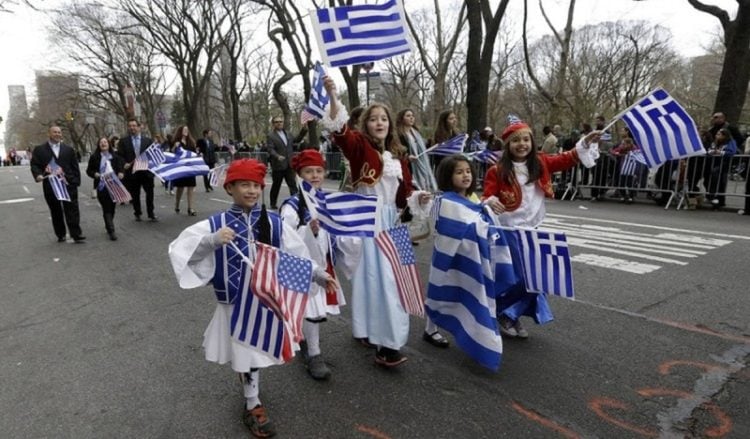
(334,168)
(709,178)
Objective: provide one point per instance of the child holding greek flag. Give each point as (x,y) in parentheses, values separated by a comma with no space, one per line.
(515,189)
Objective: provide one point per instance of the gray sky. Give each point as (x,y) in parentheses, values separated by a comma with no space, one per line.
(25,47)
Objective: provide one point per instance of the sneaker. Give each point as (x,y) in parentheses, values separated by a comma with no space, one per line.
(741,212)
(317,368)
(258,422)
(715,201)
(520,331)
(507,328)
(629,200)
(389,358)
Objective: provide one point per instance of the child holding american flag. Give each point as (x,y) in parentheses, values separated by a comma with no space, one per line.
(244,331)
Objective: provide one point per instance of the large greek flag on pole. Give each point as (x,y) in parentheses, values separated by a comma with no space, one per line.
(471,265)
(360,34)
(662,129)
(180,164)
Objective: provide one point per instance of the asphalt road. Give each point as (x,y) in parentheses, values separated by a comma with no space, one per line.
(98,341)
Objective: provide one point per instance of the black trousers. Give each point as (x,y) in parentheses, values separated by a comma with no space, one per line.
(279,176)
(63,212)
(108,209)
(134,183)
(206,184)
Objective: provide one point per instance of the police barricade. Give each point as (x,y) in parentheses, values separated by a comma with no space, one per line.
(614,176)
(334,167)
(222,157)
(713,180)
(256,155)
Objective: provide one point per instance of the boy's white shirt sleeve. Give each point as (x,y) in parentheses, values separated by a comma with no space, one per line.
(192,256)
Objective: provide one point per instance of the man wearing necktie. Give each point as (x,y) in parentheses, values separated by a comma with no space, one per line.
(62,212)
(207,150)
(130,147)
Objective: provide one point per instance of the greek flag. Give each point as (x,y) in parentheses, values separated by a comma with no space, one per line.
(315,108)
(546,262)
(360,34)
(215,175)
(663,129)
(471,265)
(180,164)
(451,146)
(485,156)
(342,213)
(57,181)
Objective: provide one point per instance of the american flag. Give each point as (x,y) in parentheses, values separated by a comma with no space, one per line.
(57,181)
(360,34)
(115,188)
(282,281)
(315,108)
(546,262)
(397,248)
(451,146)
(150,157)
(662,128)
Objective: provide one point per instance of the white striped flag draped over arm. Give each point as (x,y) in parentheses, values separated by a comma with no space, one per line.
(454,145)
(315,108)
(471,265)
(282,282)
(360,34)
(546,262)
(342,213)
(397,248)
(180,164)
(115,188)
(662,129)
(57,181)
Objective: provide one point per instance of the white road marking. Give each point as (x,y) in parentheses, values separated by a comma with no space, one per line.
(25,189)
(626,238)
(614,263)
(582,243)
(220,200)
(16,200)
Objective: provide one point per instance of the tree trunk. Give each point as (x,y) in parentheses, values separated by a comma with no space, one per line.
(735,72)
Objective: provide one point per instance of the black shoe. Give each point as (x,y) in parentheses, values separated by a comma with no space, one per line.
(191,212)
(138,218)
(274,207)
(389,358)
(153,219)
(79,239)
(112,236)
(436,339)
(60,239)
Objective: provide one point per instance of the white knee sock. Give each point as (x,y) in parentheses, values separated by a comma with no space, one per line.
(251,387)
(311,330)
(429,326)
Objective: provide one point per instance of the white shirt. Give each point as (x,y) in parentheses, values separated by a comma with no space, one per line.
(55,149)
(531,211)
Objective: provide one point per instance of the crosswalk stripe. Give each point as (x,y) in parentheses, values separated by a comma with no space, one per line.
(583,244)
(647,244)
(614,263)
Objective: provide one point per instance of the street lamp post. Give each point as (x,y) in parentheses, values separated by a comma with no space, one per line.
(367,67)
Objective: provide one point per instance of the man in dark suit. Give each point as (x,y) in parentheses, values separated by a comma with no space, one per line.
(280,147)
(130,147)
(62,212)
(207,150)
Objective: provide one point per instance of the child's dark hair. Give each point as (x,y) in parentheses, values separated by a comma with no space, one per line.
(505,166)
(445,171)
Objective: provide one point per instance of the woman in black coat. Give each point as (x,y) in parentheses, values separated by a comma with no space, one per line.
(103,161)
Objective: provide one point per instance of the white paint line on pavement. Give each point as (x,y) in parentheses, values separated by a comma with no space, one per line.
(16,200)
(25,189)
(649,226)
(614,263)
(646,249)
(16,177)
(219,200)
(583,244)
(695,239)
(626,238)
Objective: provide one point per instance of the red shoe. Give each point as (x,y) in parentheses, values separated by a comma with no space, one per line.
(258,422)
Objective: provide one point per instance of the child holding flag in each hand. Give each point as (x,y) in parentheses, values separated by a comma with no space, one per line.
(379,166)
(208,251)
(515,188)
(310,166)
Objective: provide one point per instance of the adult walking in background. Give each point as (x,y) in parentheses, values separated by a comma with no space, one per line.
(280,147)
(130,147)
(101,162)
(45,160)
(183,139)
(207,150)
(445,129)
(419,163)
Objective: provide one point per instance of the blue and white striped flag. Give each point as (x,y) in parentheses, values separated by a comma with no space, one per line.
(57,181)
(546,262)
(486,156)
(180,164)
(454,145)
(663,129)
(342,213)
(471,265)
(315,108)
(216,174)
(360,34)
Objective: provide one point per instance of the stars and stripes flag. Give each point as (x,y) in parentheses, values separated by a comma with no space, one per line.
(57,181)
(662,129)
(150,157)
(315,108)
(546,262)
(360,34)
(216,174)
(397,248)
(180,164)
(342,213)
(282,282)
(471,266)
(454,145)
(116,189)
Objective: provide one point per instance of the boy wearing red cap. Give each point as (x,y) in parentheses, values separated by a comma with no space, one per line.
(201,255)
(309,165)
